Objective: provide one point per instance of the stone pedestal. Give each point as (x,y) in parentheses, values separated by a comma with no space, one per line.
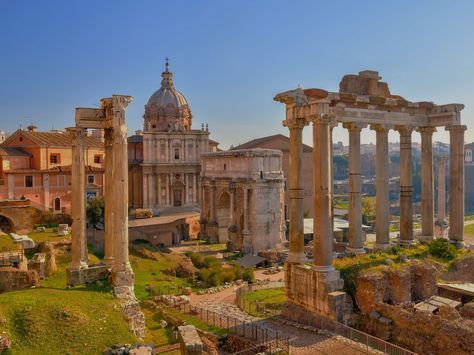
(456,185)
(406,189)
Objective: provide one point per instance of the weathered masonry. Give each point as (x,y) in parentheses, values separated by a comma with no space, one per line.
(111,118)
(362,101)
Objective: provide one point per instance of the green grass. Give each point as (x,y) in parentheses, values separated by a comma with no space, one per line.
(469,230)
(271,299)
(54,320)
(6,243)
(48,235)
(150,271)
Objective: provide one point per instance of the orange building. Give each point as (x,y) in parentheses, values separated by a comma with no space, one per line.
(37,166)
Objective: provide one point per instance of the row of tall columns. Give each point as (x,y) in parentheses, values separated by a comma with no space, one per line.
(79,256)
(456,184)
(296,191)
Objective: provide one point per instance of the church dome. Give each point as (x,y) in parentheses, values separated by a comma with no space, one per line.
(167,109)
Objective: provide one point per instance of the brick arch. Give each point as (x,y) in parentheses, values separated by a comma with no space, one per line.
(6,224)
(19,214)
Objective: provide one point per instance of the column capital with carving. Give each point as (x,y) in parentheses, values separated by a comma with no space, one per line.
(426,130)
(404,130)
(295,123)
(77,135)
(377,127)
(322,118)
(354,126)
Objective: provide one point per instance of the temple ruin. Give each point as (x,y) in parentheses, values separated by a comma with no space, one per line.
(362,101)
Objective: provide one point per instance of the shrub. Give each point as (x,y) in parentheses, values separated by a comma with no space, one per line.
(196,258)
(248,275)
(441,248)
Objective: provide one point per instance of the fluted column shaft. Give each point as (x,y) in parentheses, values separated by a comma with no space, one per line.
(441,190)
(456,184)
(109,242)
(382,239)
(322,189)
(427,181)
(406,188)
(212,202)
(296,191)
(356,242)
(79,257)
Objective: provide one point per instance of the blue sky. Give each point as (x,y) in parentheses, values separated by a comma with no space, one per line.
(229,58)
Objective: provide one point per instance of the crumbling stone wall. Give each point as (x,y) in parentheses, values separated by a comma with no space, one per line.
(398,284)
(13,279)
(426,333)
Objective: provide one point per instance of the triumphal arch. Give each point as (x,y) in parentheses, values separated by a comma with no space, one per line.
(111,118)
(363,101)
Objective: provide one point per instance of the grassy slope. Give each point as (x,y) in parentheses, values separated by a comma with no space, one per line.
(272,298)
(54,320)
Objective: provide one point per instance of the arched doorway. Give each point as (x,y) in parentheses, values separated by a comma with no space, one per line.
(223,217)
(57,204)
(178,192)
(6,226)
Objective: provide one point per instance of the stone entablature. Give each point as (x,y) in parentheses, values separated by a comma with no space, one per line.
(362,100)
(243,199)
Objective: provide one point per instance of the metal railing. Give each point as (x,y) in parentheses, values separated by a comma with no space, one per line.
(257,308)
(261,335)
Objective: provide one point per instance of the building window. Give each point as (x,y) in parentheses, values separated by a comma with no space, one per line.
(57,204)
(97,159)
(29,181)
(54,159)
(176,153)
(90,179)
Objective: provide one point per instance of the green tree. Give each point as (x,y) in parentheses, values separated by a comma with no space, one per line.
(95,210)
(368,209)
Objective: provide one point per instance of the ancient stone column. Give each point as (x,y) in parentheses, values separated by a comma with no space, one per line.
(406,189)
(122,273)
(356,241)
(212,231)
(247,241)
(322,189)
(441,190)
(456,184)
(427,182)
(382,232)
(296,191)
(232,227)
(79,257)
(109,238)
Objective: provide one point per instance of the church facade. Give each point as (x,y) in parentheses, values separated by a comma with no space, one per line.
(165,158)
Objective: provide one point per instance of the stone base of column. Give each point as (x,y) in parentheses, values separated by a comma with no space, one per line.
(86,275)
(425,238)
(79,266)
(297,258)
(355,251)
(318,296)
(382,246)
(109,262)
(406,242)
(123,282)
(232,243)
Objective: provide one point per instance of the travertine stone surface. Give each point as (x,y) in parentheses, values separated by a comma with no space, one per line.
(441,190)
(79,258)
(382,241)
(356,241)
(427,182)
(456,187)
(248,198)
(406,188)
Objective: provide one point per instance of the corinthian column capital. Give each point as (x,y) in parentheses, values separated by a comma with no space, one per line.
(456,128)
(426,130)
(77,135)
(322,118)
(404,130)
(380,127)
(354,126)
(295,123)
